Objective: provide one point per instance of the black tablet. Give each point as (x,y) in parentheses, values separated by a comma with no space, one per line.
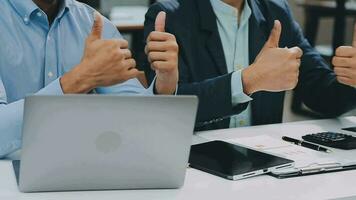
(234,162)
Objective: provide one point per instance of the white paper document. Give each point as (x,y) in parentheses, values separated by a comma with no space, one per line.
(303,157)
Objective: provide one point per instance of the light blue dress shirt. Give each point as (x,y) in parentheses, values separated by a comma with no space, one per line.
(235,36)
(34,55)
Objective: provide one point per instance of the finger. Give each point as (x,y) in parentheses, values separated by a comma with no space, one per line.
(345,80)
(341,61)
(340,71)
(160,23)
(273,40)
(297,64)
(354,37)
(130,63)
(133,73)
(124,44)
(158,65)
(158,56)
(297,52)
(345,51)
(162,66)
(157,46)
(127,53)
(97,28)
(160,36)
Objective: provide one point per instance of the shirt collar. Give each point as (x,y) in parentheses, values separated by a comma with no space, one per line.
(223,10)
(25,8)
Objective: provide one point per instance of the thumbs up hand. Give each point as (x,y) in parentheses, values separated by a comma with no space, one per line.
(345,63)
(105,63)
(275,69)
(162,52)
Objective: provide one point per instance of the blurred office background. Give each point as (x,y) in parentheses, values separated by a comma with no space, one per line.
(316,17)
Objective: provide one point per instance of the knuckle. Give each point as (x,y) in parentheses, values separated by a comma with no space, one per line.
(175,46)
(116,55)
(352,62)
(157,65)
(151,55)
(334,60)
(171,36)
(172,56)
(338,51)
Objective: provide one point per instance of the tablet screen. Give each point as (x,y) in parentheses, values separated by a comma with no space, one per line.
(225,159)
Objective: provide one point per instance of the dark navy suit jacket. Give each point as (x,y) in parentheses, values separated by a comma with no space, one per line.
(203,70)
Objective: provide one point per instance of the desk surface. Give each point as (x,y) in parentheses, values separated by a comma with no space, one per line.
(199,185)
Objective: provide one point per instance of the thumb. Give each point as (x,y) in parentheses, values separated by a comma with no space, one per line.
(160,22)
(354,38)
(273,40)
(97,29)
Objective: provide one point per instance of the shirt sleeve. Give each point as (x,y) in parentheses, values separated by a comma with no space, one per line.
(130,87)
(11,116)
(10,123)
(237,91)
(53,88)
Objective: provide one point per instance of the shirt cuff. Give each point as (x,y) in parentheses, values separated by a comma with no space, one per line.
(9,148)
(53,88)
(237,90)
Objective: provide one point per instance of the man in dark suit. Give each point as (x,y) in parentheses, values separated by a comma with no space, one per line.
(231,59)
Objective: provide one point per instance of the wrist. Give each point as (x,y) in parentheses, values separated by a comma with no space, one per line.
(165,85)
(76,82)
(249,80)
(166,89)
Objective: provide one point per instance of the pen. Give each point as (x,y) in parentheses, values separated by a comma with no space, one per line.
(306,144)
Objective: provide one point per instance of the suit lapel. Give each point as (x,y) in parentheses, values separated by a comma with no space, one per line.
(213,41)
(258,28)
(216,52)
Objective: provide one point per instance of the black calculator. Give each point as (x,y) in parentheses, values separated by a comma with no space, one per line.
(332,139)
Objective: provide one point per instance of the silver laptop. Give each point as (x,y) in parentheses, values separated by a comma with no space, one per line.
(105,142)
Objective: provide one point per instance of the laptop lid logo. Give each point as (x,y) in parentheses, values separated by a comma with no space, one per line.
(108,142)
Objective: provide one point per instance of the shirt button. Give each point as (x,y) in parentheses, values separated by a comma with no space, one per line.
(50,74)
(239,67)
(26,19)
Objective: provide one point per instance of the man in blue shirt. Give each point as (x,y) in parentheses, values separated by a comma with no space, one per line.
(56,47)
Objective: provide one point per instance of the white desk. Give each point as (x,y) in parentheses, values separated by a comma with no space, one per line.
(202,186)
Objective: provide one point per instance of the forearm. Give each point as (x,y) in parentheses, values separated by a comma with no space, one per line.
(327,96)
(215,99)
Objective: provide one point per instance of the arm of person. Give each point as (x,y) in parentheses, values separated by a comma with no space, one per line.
(215,95)
(11,115)
(318,84)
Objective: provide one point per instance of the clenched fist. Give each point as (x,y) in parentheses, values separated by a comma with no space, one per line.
(162,52)
(105,63)
(345,63)
(275,69)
